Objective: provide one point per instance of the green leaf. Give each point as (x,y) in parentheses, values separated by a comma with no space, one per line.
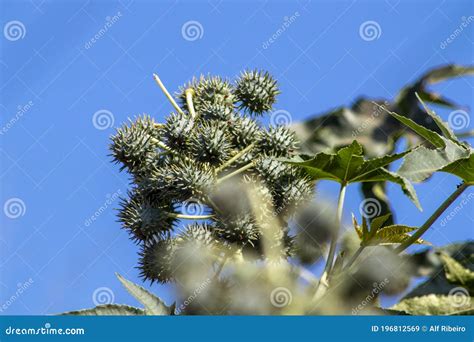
(443,126)
(108,310)
(394,234)
(423,162)
(463,168)
(435,305)
(153,304)
(456,272)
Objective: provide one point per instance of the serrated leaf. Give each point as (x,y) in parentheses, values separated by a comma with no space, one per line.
(378,222)
(463,168)
(434,305)
(153,304)
(108,310)
(456,272)
(357,228)
(394,234)
(443,126)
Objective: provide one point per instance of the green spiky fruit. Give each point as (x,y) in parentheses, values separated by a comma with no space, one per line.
(278,141)
(270,169)
(291,191)
(256,91)
(156,259)
(145,218)
(135,144)
(176,131)
(210,143)
(241,229)
(244,131)
(216,111)
(209,90)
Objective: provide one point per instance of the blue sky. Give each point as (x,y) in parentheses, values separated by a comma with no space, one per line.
(54,78)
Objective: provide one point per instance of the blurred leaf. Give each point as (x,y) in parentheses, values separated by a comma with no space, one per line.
(456,272)
(434,305)
(153,304)
(108,310)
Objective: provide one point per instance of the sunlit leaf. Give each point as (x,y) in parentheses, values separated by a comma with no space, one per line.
(108,310)
(435,305)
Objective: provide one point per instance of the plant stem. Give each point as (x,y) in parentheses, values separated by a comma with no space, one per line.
(167,94)
(354,257)
(221,266)
(190,217)
(420,231)
(323,282)
(234,158)
(236,172)
(189,101)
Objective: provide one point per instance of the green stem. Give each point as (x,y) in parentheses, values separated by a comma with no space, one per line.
(236,172)
(167,94)
(420,231)
(234,158)
(190,217)
(354,257)
(189,101)
(323,282)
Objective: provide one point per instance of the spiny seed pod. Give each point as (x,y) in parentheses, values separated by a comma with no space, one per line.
(198,233)
(256,91)
(156,258)
(135,144)
(291,191)
(278,141)
(240,229)
(176,131)
(208,90)
(244,131)
(210,143)
(144,218)
(270,169)
(183,180)
(216,111)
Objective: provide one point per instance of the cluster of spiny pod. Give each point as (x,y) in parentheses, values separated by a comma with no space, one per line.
(211,139)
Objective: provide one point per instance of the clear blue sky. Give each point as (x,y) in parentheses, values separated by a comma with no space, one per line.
(55,161)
